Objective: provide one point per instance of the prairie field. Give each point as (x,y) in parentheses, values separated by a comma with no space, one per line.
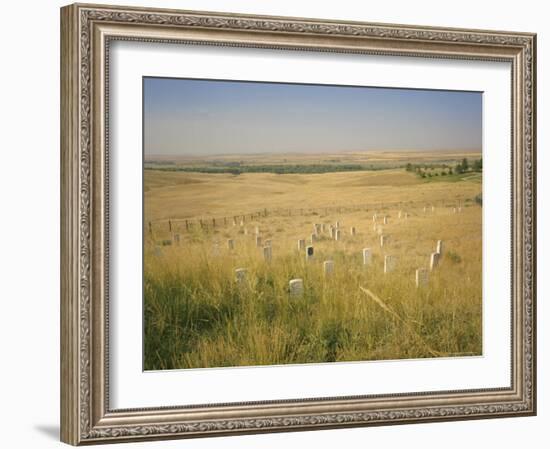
(200,227)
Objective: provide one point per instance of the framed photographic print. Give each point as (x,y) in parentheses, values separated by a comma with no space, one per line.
(279,224)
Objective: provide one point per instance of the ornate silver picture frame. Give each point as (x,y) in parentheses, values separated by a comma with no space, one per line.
(87,33)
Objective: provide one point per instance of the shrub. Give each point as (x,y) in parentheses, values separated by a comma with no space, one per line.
(454,257)
(478,199)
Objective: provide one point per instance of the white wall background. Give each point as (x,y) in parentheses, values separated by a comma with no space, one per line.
(29,224)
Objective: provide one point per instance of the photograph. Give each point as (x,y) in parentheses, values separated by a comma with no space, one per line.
(288,223)
(275,221)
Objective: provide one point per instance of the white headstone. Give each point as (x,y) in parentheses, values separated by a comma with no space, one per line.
(352,230)
(374,218)
(245,231)
(383,240)
(385,220)
(242,223)
(337,234)
(399,214)
(257,230)
(267,253)
(332,232)
(313,238)
(389,263)
(328,267)
(434,260)
(454,210)
(367,256)
(296,287)
(258,241)
(230,244)
(309,252)
(422,277)
(301,244)
(240,275)
(459,209)
(425,209)
(439,247)
(234,221)
(433,208)
(379,229)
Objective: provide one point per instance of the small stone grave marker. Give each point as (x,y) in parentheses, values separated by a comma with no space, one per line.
(267,253)
(328,267)
(367,256)
(296,287)
(240,275)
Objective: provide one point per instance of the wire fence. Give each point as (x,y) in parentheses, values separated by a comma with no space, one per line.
(205,223)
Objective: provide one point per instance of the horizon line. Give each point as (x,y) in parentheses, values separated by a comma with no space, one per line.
(327,152)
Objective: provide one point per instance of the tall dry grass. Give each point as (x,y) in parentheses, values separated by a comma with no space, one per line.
(197,315)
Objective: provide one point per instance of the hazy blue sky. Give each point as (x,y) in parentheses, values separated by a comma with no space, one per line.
(198,117)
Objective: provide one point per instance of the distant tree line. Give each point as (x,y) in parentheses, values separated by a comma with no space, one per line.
(429,170)
(277,169)
(159,162)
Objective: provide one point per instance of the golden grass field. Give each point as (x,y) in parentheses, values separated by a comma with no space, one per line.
(198,315)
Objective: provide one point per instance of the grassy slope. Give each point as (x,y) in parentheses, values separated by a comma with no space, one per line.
(190,195)
(197,316)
